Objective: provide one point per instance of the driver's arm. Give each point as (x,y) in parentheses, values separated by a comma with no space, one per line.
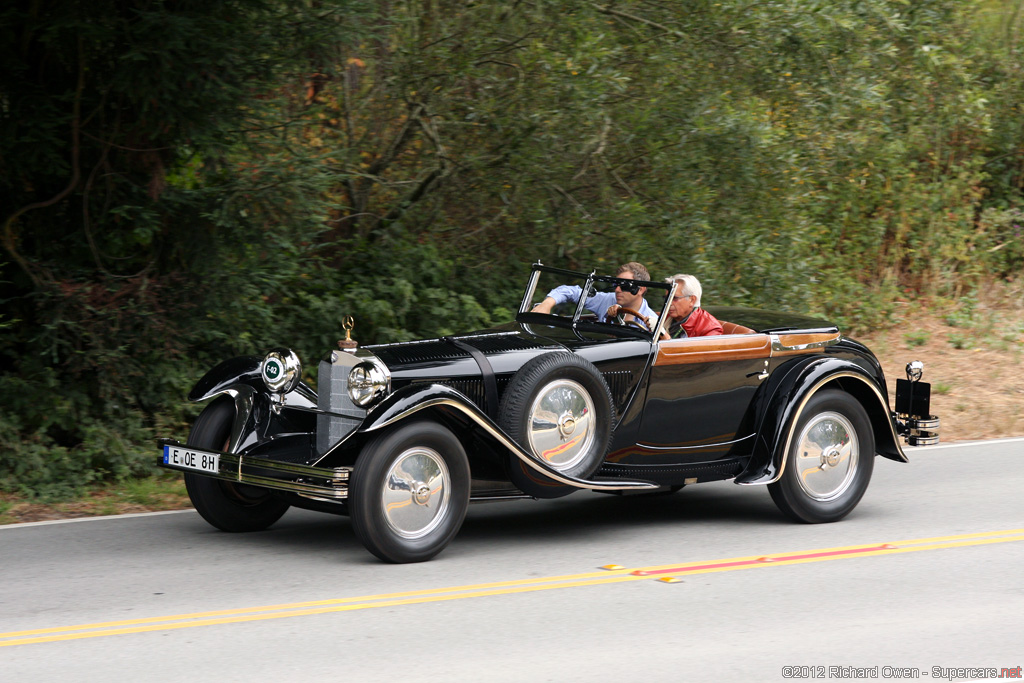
(558,295)
(544,306)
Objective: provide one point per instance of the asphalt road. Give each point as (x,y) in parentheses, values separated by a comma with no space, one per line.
(925,573)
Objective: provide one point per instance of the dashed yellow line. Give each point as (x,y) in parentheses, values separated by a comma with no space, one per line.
(611,575)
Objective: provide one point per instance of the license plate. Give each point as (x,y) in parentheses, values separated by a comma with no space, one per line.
(191,459)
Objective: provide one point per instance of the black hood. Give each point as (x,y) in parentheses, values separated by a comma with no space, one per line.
(497,344)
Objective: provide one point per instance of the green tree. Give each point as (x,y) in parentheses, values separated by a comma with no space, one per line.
(138,192)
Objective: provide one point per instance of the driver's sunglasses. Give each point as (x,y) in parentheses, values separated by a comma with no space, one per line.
(632,288)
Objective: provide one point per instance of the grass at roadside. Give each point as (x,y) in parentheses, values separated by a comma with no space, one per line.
(164,491)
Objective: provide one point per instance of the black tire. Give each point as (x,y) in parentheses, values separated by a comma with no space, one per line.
(226,505)
(571,386)
(396,477)
(830,459)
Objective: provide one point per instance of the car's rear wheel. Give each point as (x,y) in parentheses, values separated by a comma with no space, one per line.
(829,462)
(227,505)
(409,492)
(559,408)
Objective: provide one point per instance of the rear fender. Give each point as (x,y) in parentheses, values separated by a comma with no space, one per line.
(787,400)
(240,379)
(413,399)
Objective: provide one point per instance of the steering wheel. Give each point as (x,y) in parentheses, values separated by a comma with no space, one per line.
(637,318)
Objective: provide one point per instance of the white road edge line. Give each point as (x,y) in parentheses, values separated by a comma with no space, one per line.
(92,519)
(910,450)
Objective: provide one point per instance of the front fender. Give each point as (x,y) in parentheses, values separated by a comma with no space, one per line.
(243,370)
(240,379)
(410,400)
(786,402)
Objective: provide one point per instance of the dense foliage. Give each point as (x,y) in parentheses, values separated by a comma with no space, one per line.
(181,181)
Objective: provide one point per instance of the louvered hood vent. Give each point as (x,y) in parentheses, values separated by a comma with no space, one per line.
(437,350)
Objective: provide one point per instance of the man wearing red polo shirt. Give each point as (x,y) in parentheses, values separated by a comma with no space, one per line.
(685,316)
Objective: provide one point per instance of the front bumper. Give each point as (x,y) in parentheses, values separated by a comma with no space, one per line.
(325,483)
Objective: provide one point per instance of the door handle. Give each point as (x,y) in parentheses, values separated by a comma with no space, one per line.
(761,376)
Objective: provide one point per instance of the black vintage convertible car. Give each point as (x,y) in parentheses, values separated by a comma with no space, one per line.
(402,437)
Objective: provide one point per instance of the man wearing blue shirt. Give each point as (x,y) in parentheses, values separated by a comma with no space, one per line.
(606,304)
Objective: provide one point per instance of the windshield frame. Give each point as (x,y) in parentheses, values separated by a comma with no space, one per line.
(576,322)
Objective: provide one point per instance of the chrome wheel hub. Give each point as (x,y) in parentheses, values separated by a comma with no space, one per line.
(416,494)
(421,494)
(566,424)
(561,427)
(830,458)
(827,456)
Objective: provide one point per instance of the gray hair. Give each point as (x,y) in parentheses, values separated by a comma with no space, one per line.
(688,285)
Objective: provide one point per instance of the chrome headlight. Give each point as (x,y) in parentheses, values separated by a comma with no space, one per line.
(281,370)
(368,382)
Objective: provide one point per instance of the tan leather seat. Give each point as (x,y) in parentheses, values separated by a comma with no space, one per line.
(733,328)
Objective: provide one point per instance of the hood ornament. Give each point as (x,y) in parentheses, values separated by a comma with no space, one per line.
(348,343)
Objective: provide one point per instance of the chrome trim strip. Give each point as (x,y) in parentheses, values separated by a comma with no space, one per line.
(365,351)
(777,344)
(531,287)
(485,335)
(696,447)
(500,499)
(230,469)
(481,420)
(800,410)
(321,499)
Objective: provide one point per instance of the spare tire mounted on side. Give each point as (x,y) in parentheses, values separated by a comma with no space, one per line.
(559,408)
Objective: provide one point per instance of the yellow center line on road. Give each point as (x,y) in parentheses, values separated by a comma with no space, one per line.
(668,572)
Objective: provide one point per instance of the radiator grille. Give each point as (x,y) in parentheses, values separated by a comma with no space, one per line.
(332,395)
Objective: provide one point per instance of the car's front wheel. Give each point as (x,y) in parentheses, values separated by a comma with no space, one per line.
(224,504)
(830,459)
(409,492)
